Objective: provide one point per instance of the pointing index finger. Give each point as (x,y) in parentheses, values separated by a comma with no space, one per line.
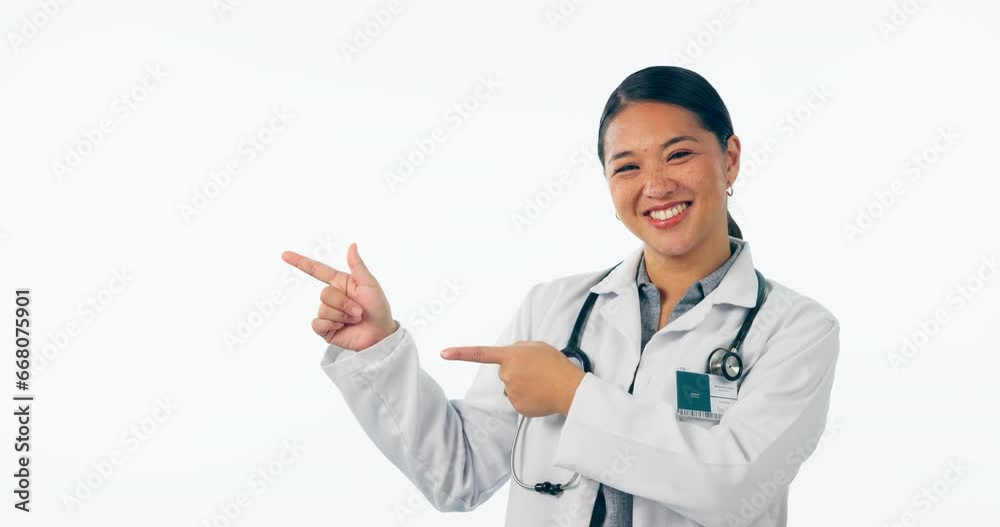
(317,270)
(482,354)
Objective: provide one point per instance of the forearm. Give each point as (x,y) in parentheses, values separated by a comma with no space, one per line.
(448,449)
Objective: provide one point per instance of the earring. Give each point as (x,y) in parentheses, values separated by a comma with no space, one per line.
(729,191)
(617,216)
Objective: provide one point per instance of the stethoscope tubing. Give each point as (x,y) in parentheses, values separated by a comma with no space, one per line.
(573,351)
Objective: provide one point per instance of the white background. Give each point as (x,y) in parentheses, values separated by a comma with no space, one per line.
(896,81)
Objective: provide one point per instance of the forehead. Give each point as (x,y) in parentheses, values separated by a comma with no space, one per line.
(645,123)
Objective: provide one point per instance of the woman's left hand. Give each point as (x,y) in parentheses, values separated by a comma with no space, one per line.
(539,379)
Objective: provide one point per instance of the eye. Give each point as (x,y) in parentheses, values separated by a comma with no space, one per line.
(677,155)
(625,167)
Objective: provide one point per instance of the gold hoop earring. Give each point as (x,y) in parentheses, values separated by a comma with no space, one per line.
(729,191)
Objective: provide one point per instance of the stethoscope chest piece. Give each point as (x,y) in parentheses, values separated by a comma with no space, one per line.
(725,363)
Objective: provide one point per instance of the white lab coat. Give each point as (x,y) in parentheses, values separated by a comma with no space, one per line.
(682,472)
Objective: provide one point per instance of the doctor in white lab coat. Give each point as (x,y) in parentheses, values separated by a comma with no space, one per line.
(670,159)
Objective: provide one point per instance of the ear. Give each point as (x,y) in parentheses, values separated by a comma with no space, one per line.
(732,155)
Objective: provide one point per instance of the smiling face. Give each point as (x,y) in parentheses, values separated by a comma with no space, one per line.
(668,177)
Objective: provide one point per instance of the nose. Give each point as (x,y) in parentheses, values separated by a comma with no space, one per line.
(659,183)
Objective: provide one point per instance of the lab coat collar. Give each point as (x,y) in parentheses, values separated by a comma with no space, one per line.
(738,287)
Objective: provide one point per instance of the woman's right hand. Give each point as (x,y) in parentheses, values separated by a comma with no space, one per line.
(346,293)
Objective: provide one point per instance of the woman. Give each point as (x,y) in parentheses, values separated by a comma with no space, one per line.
(644,457)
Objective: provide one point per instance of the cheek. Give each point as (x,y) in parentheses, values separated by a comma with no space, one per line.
(704,179)
(621,193)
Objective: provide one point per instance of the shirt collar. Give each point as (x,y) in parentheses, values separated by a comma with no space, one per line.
(737,285)
(708,283)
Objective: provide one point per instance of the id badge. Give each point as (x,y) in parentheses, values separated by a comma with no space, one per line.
(703,395)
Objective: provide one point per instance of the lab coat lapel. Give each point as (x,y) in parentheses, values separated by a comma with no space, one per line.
(621,311)
(738,287)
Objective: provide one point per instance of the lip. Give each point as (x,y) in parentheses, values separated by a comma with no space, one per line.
(669,222)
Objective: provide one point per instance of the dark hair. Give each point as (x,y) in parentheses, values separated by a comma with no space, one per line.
(678,86)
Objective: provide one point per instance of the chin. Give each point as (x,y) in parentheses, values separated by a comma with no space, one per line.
(669,248)
(668,244)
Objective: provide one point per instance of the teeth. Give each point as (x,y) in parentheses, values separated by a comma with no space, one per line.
(668,213)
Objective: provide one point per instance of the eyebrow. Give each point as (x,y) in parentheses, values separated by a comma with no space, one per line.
(666,144)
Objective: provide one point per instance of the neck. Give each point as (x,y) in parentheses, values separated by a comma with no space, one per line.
(673,275)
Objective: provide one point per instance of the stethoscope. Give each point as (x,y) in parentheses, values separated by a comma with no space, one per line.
(722,361)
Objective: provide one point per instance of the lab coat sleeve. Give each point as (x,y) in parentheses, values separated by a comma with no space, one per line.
(713,475)
(456,452)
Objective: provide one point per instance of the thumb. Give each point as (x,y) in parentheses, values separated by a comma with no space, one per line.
(359,270)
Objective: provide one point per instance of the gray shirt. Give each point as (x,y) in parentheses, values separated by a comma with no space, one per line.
(613,508)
